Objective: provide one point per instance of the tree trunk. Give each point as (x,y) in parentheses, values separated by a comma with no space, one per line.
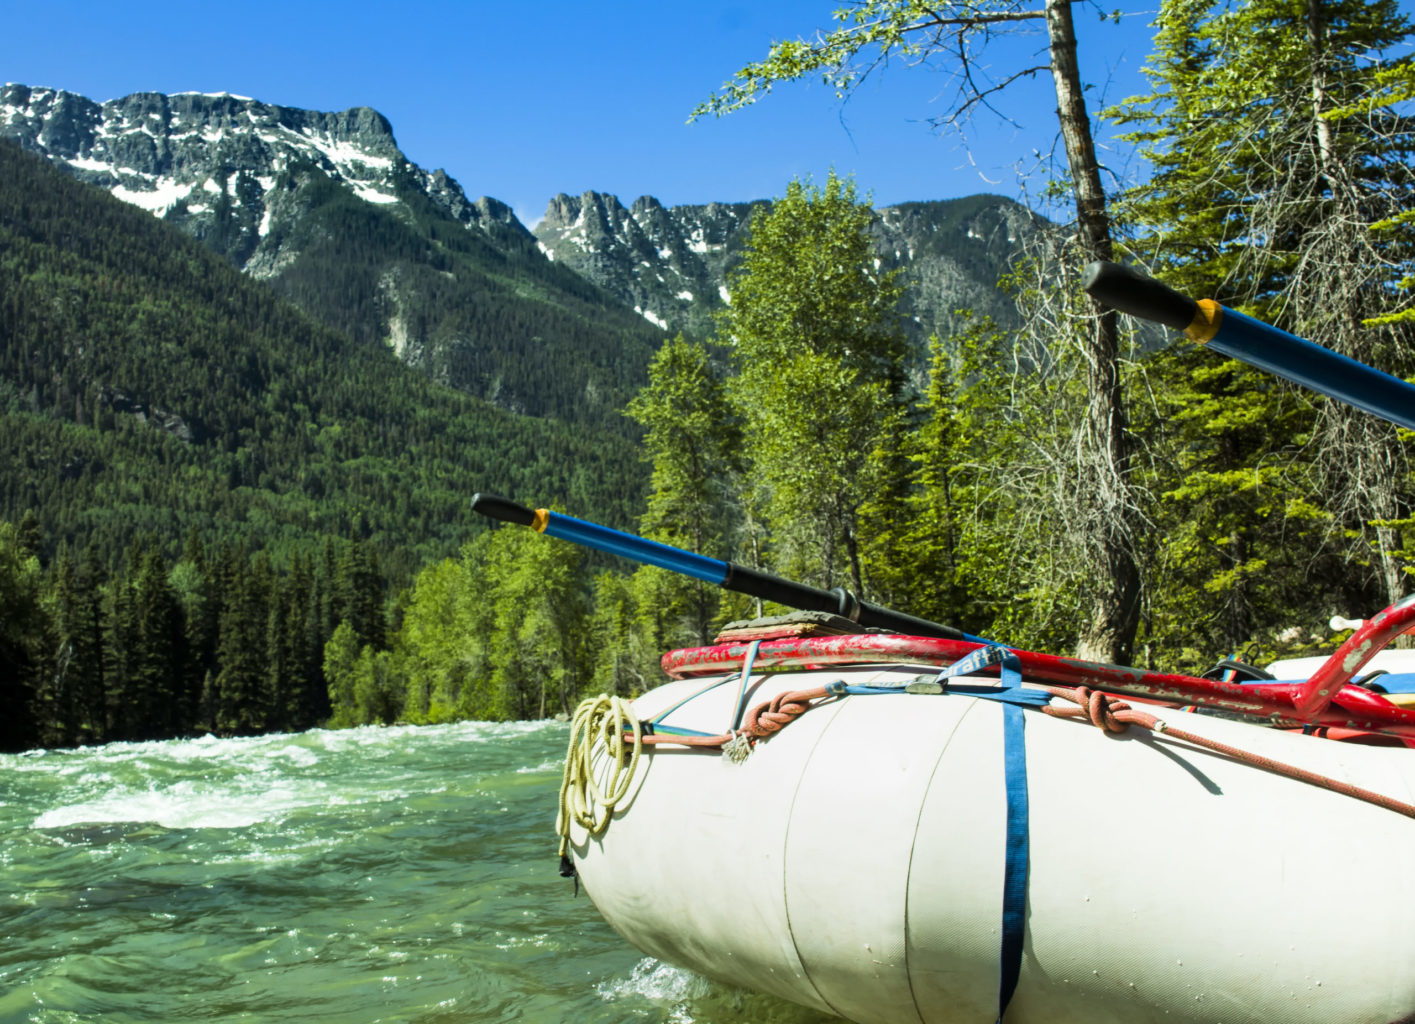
(1115,616)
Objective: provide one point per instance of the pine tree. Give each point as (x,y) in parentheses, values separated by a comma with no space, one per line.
(241,691)
(358,594)
(30,537)
(198,595)
(1277,160)
(22,627)
(69,701)
(155,654)
(693,440)
(308,701)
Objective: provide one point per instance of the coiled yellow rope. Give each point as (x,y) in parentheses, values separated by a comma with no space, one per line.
(585,799)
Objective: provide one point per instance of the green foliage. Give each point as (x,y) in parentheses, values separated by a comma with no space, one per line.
(154,390)
(1255,106)
(442,642)
(815,337)
(466,306)
(21,633)
(149,393)
(1231,540)
(693,438)
(1281,173)
(365,685)
(148,652)
(70,703)
(898,28)
(497,634)
(341,669)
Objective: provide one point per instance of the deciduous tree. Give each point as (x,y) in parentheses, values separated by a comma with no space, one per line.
(871,33)
(814,334)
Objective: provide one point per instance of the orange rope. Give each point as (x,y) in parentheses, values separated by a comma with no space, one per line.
(1104,710)
(765,719)
(1112,714)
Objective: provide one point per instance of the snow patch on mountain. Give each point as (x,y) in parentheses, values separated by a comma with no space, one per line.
(674,263)
(195,156)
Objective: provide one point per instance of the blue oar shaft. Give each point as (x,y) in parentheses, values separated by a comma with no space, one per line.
(728,575)
(1241,337)
(626,545)
(1312,366)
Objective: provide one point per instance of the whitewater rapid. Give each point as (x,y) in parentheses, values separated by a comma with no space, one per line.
(403,873)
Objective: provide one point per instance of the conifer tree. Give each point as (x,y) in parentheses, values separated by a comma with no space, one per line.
(22,626)
(30,537)
(155,654)
(307,702)
(241,683)
(358,590)
(192,591)
(69,704)
(1278,158)
(693,440)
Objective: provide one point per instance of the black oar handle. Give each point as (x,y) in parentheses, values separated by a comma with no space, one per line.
(839,601)
(1132,292)
(508,511)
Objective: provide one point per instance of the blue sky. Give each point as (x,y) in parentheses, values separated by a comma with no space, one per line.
(522,101)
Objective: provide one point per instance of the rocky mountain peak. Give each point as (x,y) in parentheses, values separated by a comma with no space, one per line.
(672,264)
(198,158)
(669,264)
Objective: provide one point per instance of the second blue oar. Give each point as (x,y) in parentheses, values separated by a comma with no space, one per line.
(1254,342)
(728,575)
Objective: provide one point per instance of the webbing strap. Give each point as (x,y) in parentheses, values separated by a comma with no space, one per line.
(747,664)
(1015,863)
(1014,775)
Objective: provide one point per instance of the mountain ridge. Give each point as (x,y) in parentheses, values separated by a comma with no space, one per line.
(183,156)
(672,265)
(146,387)
(327,210)
(113,144)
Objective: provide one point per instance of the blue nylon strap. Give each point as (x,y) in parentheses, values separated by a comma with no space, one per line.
(1015,864)
(985,657)
(1016,856)
(1017,853)
(972,664)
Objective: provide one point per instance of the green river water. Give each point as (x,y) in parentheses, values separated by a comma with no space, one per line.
(399,874)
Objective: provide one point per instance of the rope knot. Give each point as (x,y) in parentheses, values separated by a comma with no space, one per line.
(775,714)
(1103,709)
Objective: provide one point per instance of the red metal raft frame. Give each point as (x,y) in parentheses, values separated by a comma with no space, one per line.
(1324,699)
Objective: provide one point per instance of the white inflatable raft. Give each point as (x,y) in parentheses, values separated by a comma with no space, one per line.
(855,861)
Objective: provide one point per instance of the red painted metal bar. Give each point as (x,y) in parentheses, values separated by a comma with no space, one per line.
(1322,688)
(1351,708)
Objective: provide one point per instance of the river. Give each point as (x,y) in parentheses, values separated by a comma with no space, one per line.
(396,874)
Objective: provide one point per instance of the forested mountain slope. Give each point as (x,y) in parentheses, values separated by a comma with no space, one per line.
(147,388)
(328,209)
